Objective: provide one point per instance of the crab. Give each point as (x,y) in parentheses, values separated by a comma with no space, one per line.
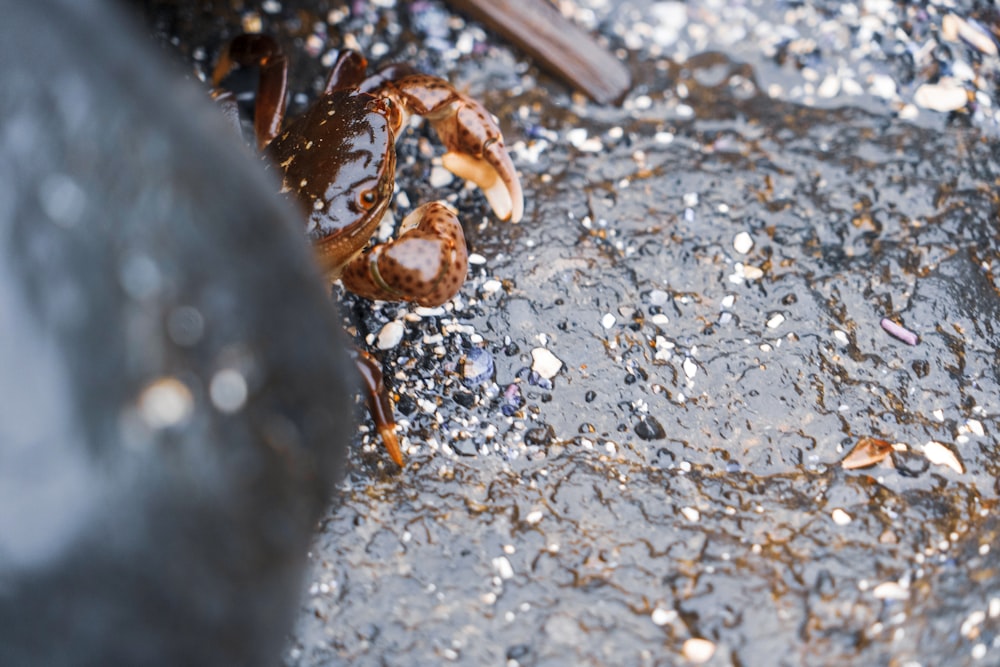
(337,161)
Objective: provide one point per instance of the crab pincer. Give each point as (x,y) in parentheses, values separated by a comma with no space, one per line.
(427,263)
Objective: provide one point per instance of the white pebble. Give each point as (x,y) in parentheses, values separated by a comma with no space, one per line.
(975,426)
(662,616)
(698,651)
(882,85)
(841,337)
(503,567)
(890,590)
(390,335)
(476,259)
(691,514)
(491,286)
(533,517)
(940,455)
(545,363)
(840,517)
(577,136)
(742,243)
(439,177)
(946,95)
(775,321)
(752,272)
(608,321)
(690,369)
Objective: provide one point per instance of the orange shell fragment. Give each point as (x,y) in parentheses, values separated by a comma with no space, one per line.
(867,452)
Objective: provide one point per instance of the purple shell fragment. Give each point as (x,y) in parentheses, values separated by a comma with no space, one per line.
(899,332)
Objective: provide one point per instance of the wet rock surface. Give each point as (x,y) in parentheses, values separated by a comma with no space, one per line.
(704,270)
(162,462)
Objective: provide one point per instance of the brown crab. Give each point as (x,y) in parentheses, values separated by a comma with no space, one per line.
(338,160)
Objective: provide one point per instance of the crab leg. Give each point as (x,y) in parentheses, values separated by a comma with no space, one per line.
(379,404)
(427,264)
(476,150)
(264,52)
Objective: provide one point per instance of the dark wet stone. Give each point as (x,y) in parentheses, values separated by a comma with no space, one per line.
(164,341)
(649,428)
(464,398)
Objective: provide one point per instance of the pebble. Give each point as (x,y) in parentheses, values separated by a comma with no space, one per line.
(477,366)
(690,369)
(840,517)
(608,321)
(742,243)
(546,364)
(698,651)
(946,95)
(503,567)
(890,590)
(691,514)
(775,321)
(390,335)
(662,616)
(940,455)
(440,177)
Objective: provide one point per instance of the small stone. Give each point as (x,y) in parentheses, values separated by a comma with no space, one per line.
(691,514)
(742,243)
(390,335)
(776,321)
(608,321)
(946,95)
(533,517)
(439,177)
(840,517)
(546,364)
(940,455)
(662,616)
(698,651)
(891,590)
(648,428)
(690,369)
(503,567)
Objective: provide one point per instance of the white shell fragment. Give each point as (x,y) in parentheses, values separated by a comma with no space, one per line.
(946,95)
(698,651)
(390,335)
(940,455)
(545,363)
(742,243)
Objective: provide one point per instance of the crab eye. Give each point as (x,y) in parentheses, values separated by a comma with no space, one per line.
(367,199)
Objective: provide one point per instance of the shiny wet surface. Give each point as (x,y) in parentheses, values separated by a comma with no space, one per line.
(711,269)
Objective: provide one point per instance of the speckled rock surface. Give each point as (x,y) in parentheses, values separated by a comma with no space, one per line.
(709,264)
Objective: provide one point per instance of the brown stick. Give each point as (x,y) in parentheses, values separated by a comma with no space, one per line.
(557,44)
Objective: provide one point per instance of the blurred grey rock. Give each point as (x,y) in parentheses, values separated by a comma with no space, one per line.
(173,408)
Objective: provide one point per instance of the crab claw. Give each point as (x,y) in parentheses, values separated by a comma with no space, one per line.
(476,152)
(427,264)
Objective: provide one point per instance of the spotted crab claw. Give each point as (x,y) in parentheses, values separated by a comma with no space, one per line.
(474,143)
(476,152)
(427,264)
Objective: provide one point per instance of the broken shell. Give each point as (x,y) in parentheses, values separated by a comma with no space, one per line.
(867,452)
